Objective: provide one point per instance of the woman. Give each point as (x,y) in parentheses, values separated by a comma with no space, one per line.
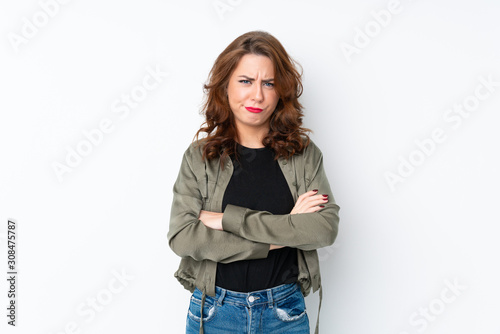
(251,202)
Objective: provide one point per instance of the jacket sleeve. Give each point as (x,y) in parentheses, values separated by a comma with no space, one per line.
(188,236)
(306,231)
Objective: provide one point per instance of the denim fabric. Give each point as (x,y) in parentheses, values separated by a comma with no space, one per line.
(281,309)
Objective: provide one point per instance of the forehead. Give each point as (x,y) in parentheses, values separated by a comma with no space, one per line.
(255,64)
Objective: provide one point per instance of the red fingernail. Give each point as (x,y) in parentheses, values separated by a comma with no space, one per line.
(321,206)
(315,190)
(325,195)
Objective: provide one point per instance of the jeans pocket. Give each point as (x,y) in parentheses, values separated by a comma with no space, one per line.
(209,309)
(291,308)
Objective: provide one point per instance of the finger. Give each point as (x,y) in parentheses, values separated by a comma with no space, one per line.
(315,208)
(304,198)
(312,192)
(317,199)
(307,200)
(318,196)
(315,203)
(309,193)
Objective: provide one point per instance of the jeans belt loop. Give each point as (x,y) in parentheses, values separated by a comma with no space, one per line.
(270,300)
(221,297)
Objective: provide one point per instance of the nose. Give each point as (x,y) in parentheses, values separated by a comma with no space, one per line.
(257,92)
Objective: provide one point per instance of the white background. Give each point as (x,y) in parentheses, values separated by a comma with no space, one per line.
(396,247)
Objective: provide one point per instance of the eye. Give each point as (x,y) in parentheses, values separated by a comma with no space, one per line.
(244,81)
(269,84)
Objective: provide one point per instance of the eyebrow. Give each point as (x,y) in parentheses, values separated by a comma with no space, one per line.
(252,79)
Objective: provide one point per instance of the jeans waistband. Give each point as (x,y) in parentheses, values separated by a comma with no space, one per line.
(259,297)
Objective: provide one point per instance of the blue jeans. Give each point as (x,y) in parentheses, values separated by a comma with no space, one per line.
(281,309)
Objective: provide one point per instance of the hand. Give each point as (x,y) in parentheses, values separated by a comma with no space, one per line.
(309,202)
(211,219)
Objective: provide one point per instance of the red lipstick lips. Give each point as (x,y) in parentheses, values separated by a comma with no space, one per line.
(254,110)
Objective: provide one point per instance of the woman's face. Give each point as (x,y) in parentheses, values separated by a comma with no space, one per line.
(251,92)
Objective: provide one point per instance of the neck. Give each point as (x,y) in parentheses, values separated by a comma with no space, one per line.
(252,137)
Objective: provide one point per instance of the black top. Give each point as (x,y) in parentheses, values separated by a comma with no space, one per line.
(258,183)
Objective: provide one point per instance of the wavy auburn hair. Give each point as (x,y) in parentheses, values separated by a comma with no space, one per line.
(286,135)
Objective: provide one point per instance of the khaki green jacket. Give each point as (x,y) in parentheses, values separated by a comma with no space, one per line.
(247,234)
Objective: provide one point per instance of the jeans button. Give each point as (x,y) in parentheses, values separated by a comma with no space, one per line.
(251,299)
